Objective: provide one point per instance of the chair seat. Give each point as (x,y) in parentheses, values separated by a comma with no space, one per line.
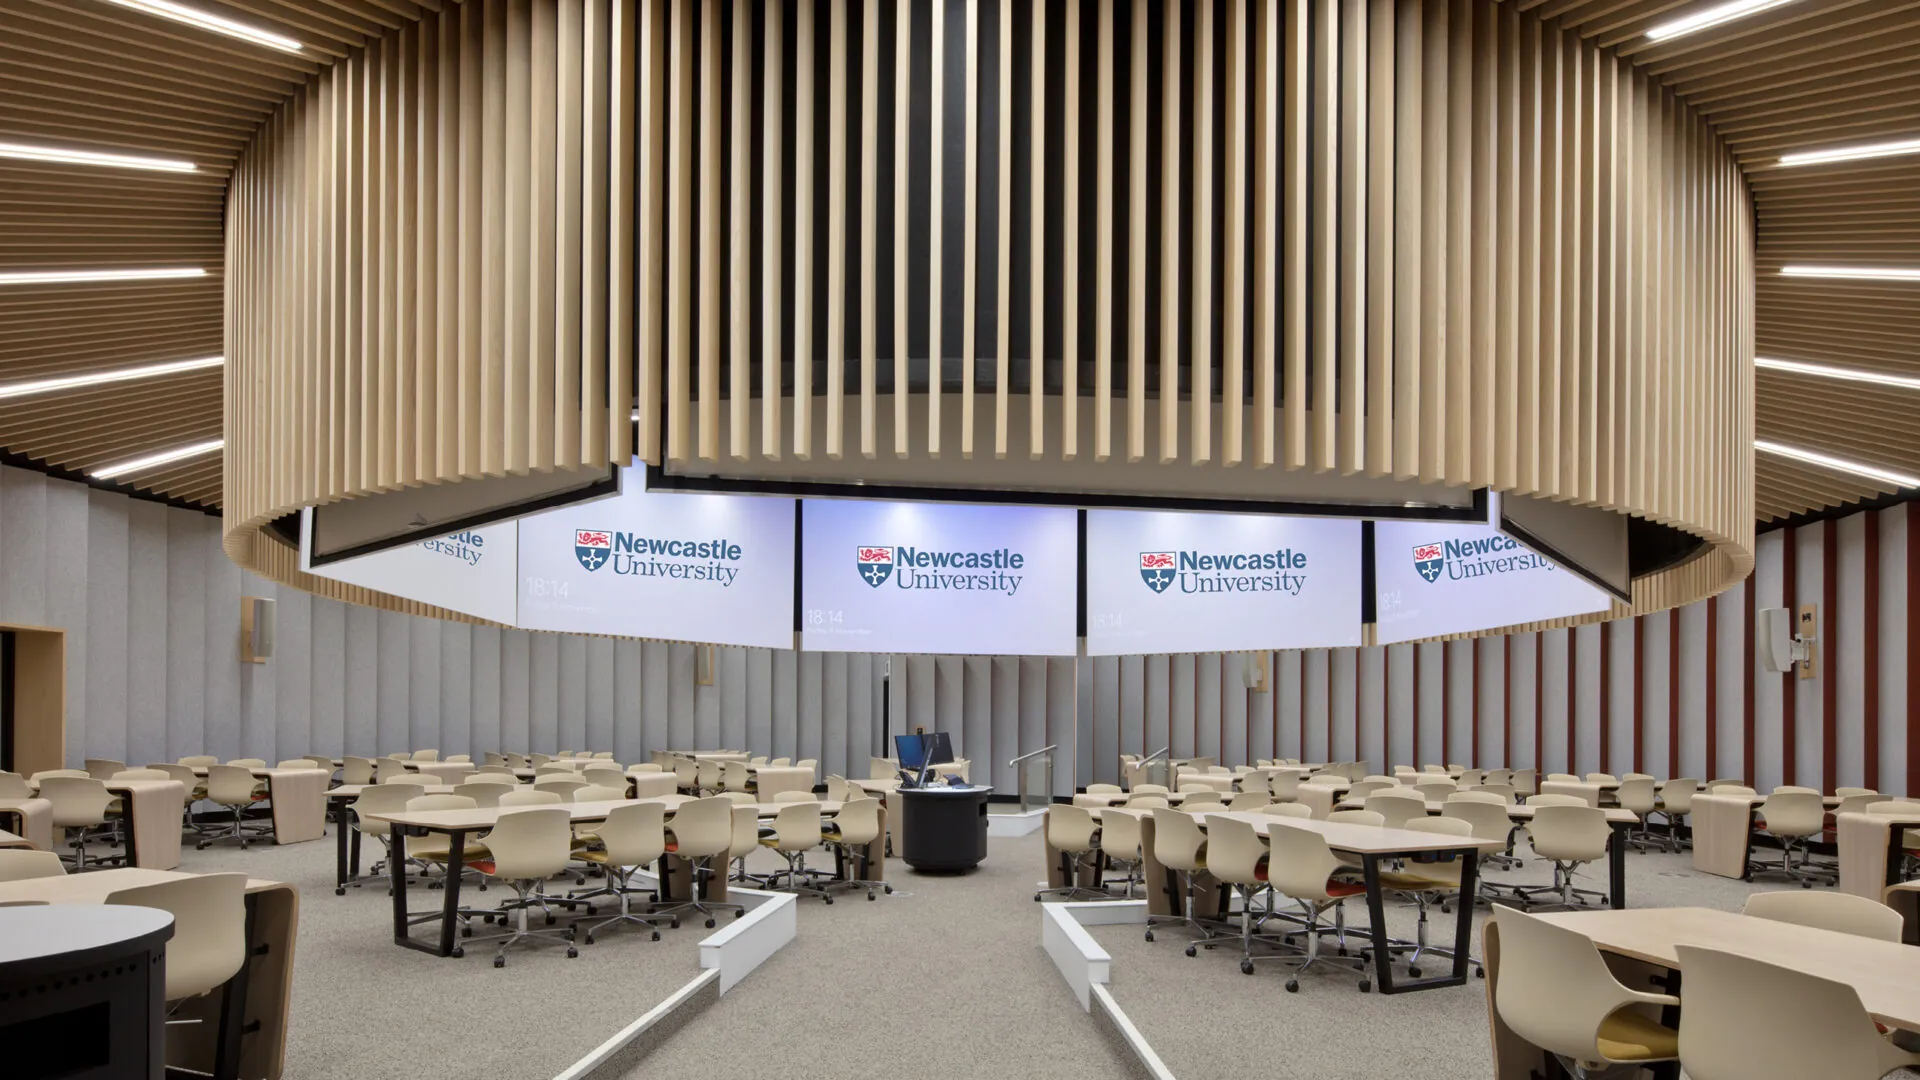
(468,853)
(1628,1035)
(1341,887)
(1405,882)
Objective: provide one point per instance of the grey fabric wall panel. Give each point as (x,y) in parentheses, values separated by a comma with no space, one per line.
(1459,703)
(223,660)
(1556,723)
(810,714)
(1006,724)
(1132,705)
(732,677)
(1766,690)
(259,692)
(1849,625)
(1809,755)
(949,700)
(1180,708)
(1521,686)
(760,704)
(1206,704)
(1233,706)
(392,675)
(1370,745)
(543,691)
(485,681)
(146,719)
(1081,698)
(24,553)
(1156,709)
(570,708)
(597,692)
(1063,716)
(1288,695)
(1401,661)
(327,630)
(1430,671)
(1894,598)
(706,704)
(1657,669)
(629,742)
(863,721)
(785,690)
(456,691)
(1035,730)
(655,701)
(977,726)
(65,574)
(1106,696)
(425,718)
(1342,696)
(681,734)
(106,585)
(293,674)
(1316,667)
(918,682)
(515,673)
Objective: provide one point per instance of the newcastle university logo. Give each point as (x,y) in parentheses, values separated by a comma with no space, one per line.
(1156,569)
(593,549)
(1427,559)
(876,563)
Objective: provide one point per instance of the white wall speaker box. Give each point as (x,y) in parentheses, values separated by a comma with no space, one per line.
(1773,638)
(256,629)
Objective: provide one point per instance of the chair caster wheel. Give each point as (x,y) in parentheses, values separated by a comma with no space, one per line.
(870,896)
(457,952)
(1293,986)
(1246,967)
(552,918)
(1149,935)
(1036,898)
(1413,971)
(389,890)
(1479,973)
(1446,909)
(1806,884)
(573,953)
(1191,951)
(340,890)
(889,890)
(589,939)
(655,937)
(828,899)
(709,924)
(483,886)
(201,846)
(466,931)
(674,925)
(1343,950)
(590,910)
(499,961)
(1366,986)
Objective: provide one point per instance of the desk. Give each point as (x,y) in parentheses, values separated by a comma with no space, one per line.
(1371,843)
(646,785)
(254,1002)
(1221,782)
(1579,789)
(771,780)
(1320,797)
(439,770)
(31,818)
(1102,799)
(1872,848)
(1641,944)
(298,800)
(1623,822)
(150,812)
(945,827)
(91,983)
(346,838)
(1723,832)
(10,840)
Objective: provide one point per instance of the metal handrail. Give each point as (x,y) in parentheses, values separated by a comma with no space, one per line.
(1034,754)
(1156,755)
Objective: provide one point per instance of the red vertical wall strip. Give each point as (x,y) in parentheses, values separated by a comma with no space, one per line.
(1300,727)
(1606,706)
(1712,663)
(1870,645)
(1913,645)
(1506,701)
(1573,698)
(1638,731)
(1789,704)
(1445,662)
(1473,750)
(1673,692)
(1747,687)
(1539,699)
(1416,705)
(1830,651)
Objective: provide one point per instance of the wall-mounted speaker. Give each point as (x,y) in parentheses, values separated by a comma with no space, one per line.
(1773,639)
(256,629)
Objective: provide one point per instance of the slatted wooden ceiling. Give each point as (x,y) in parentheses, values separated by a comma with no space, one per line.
(1808,75)
(90,74)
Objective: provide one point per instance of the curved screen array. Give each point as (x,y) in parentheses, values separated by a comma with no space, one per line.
(932,577)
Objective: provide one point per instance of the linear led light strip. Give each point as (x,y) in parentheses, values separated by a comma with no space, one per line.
(62,156)
(1828,371)
(1837,464)
(99,378)
(1853,153)
(1700,20)
(167,9)
(67,277)
(1862,273)
(164,457)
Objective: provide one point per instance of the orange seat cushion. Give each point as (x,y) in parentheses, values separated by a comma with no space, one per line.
(1341,887)
(673,845)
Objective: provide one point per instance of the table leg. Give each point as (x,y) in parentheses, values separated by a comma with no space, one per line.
(1377,926)
(397,884)
(340,831)
(450,904)
(1463,912)
(233,1012)
(353,860)
(1896,852)
(1617,867)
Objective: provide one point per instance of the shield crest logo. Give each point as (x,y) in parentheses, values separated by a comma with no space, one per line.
(1429,560)
(1156,569)
(876,564)
(593,549)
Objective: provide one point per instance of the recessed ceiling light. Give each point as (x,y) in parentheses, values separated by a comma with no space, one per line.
(63,156)
(1713,16)
(1864,273)
(167,9)
(1827,371)
(1853,153)
(99,378)
(68,277)
(1837,464)
(165,457)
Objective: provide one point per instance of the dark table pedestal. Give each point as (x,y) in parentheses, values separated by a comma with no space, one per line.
(943,828)
(82,991)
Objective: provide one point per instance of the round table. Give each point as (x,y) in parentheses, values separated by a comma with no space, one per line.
(89,982)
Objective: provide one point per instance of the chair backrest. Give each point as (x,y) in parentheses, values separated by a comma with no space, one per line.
(14,786)
(1819,1027)
(43,774)
(797,827)
(1249,800)
(1469,777)
(1488,820)
(1103,789)
(182,773)
(740,798)
(199,760)
(1479,795)
(1563,778)
(600,793)
(1234,851)
(686,772)
(1396,810)
(1895,806)
(1365,788)
(1286,809)
(1844,791)
(1555,988)
(603,755)
(1794,813)
(356,770)
(647,767)
(140,774)
(1636,795)
(1358,817)
(294,763)
(486,793)
(1525,781)
(1070,828)
(1197,795)
(1149,789)
(780,762)
(567,787)
(77,800)
(1435,788)
(761,759)
(1120,837)
(1284,786)
(1857,804)
(859,822)
(1716,785)
(1252,782)
(746,830)
(1837,911)
(319,761)
(1637,776)
(1676,795)
(1448,870)
(387,767)
(104,768)
(837,789)
(531,844)
(441,802)
(1570,833)
(794,796)
(1177,840)
(539,759)
(1300,861)
(526,796)
(1602,778)
(249,762)
(1146,802)
(20,864)
(604,776)
(426,755)
(634,834)
(517,761)
(209,940)
(707,774)
(383,799)
(1498,776)
(1555,800)
(735,777)
(878,768)
(502,771)
(493,757)
(703,827)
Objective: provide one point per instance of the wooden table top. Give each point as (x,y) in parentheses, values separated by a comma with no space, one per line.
(94,887)
(9,840)
(353,791)
(1342,836)
(128,787)
(1885,974)
(1830,801)
(268,771)
(485,817)
(1515,811)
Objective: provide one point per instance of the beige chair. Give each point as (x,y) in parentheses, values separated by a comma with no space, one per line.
(356,770)
(1602,778)
(538,760)
(194,787)
(1487,821)
(1073,833)
(76,774)
(849,836)
(1397,809)
(1147,802)
(1496,776)
(1103,789)
(1716,785)
(1120,844)
(1283,787)
(425,755)
(795,831)
(745,798)
(1435,787)
(795,796)
(1304,869)
(598,793)
(387,768)
(746,838)
(209,941)
(1149,789)
(1793,818)
(484,793)
(1470,777)
(1557,992)
(1292,810)
(1745,1019)
(1360,791)
(708,777)
(436,849)
(380,799)
(1675,802)
(837,789)
(492,757)
(104,768)
(80,804)
(761,759)
(780,762)
(295,763)
(200,761)
(21,864)
(1837,911)
(630,839)
(1357,817)
(249,763)
(499,772)
(1556,800)
(686,775)
(237,789)
(1525,782)
(1428,883)
(603,755)
(1506,793)
(1237,857)
(526,848)
(734,776)
(460,759)
(702,832)
(1195,795)
(517,761)
(1180,846)
(567,787)
(140,774)
(646,767)
(1562,778)
(525,796)
(1569,837)
(319,761)
(14,786)
(1638,795)
(1248,800)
